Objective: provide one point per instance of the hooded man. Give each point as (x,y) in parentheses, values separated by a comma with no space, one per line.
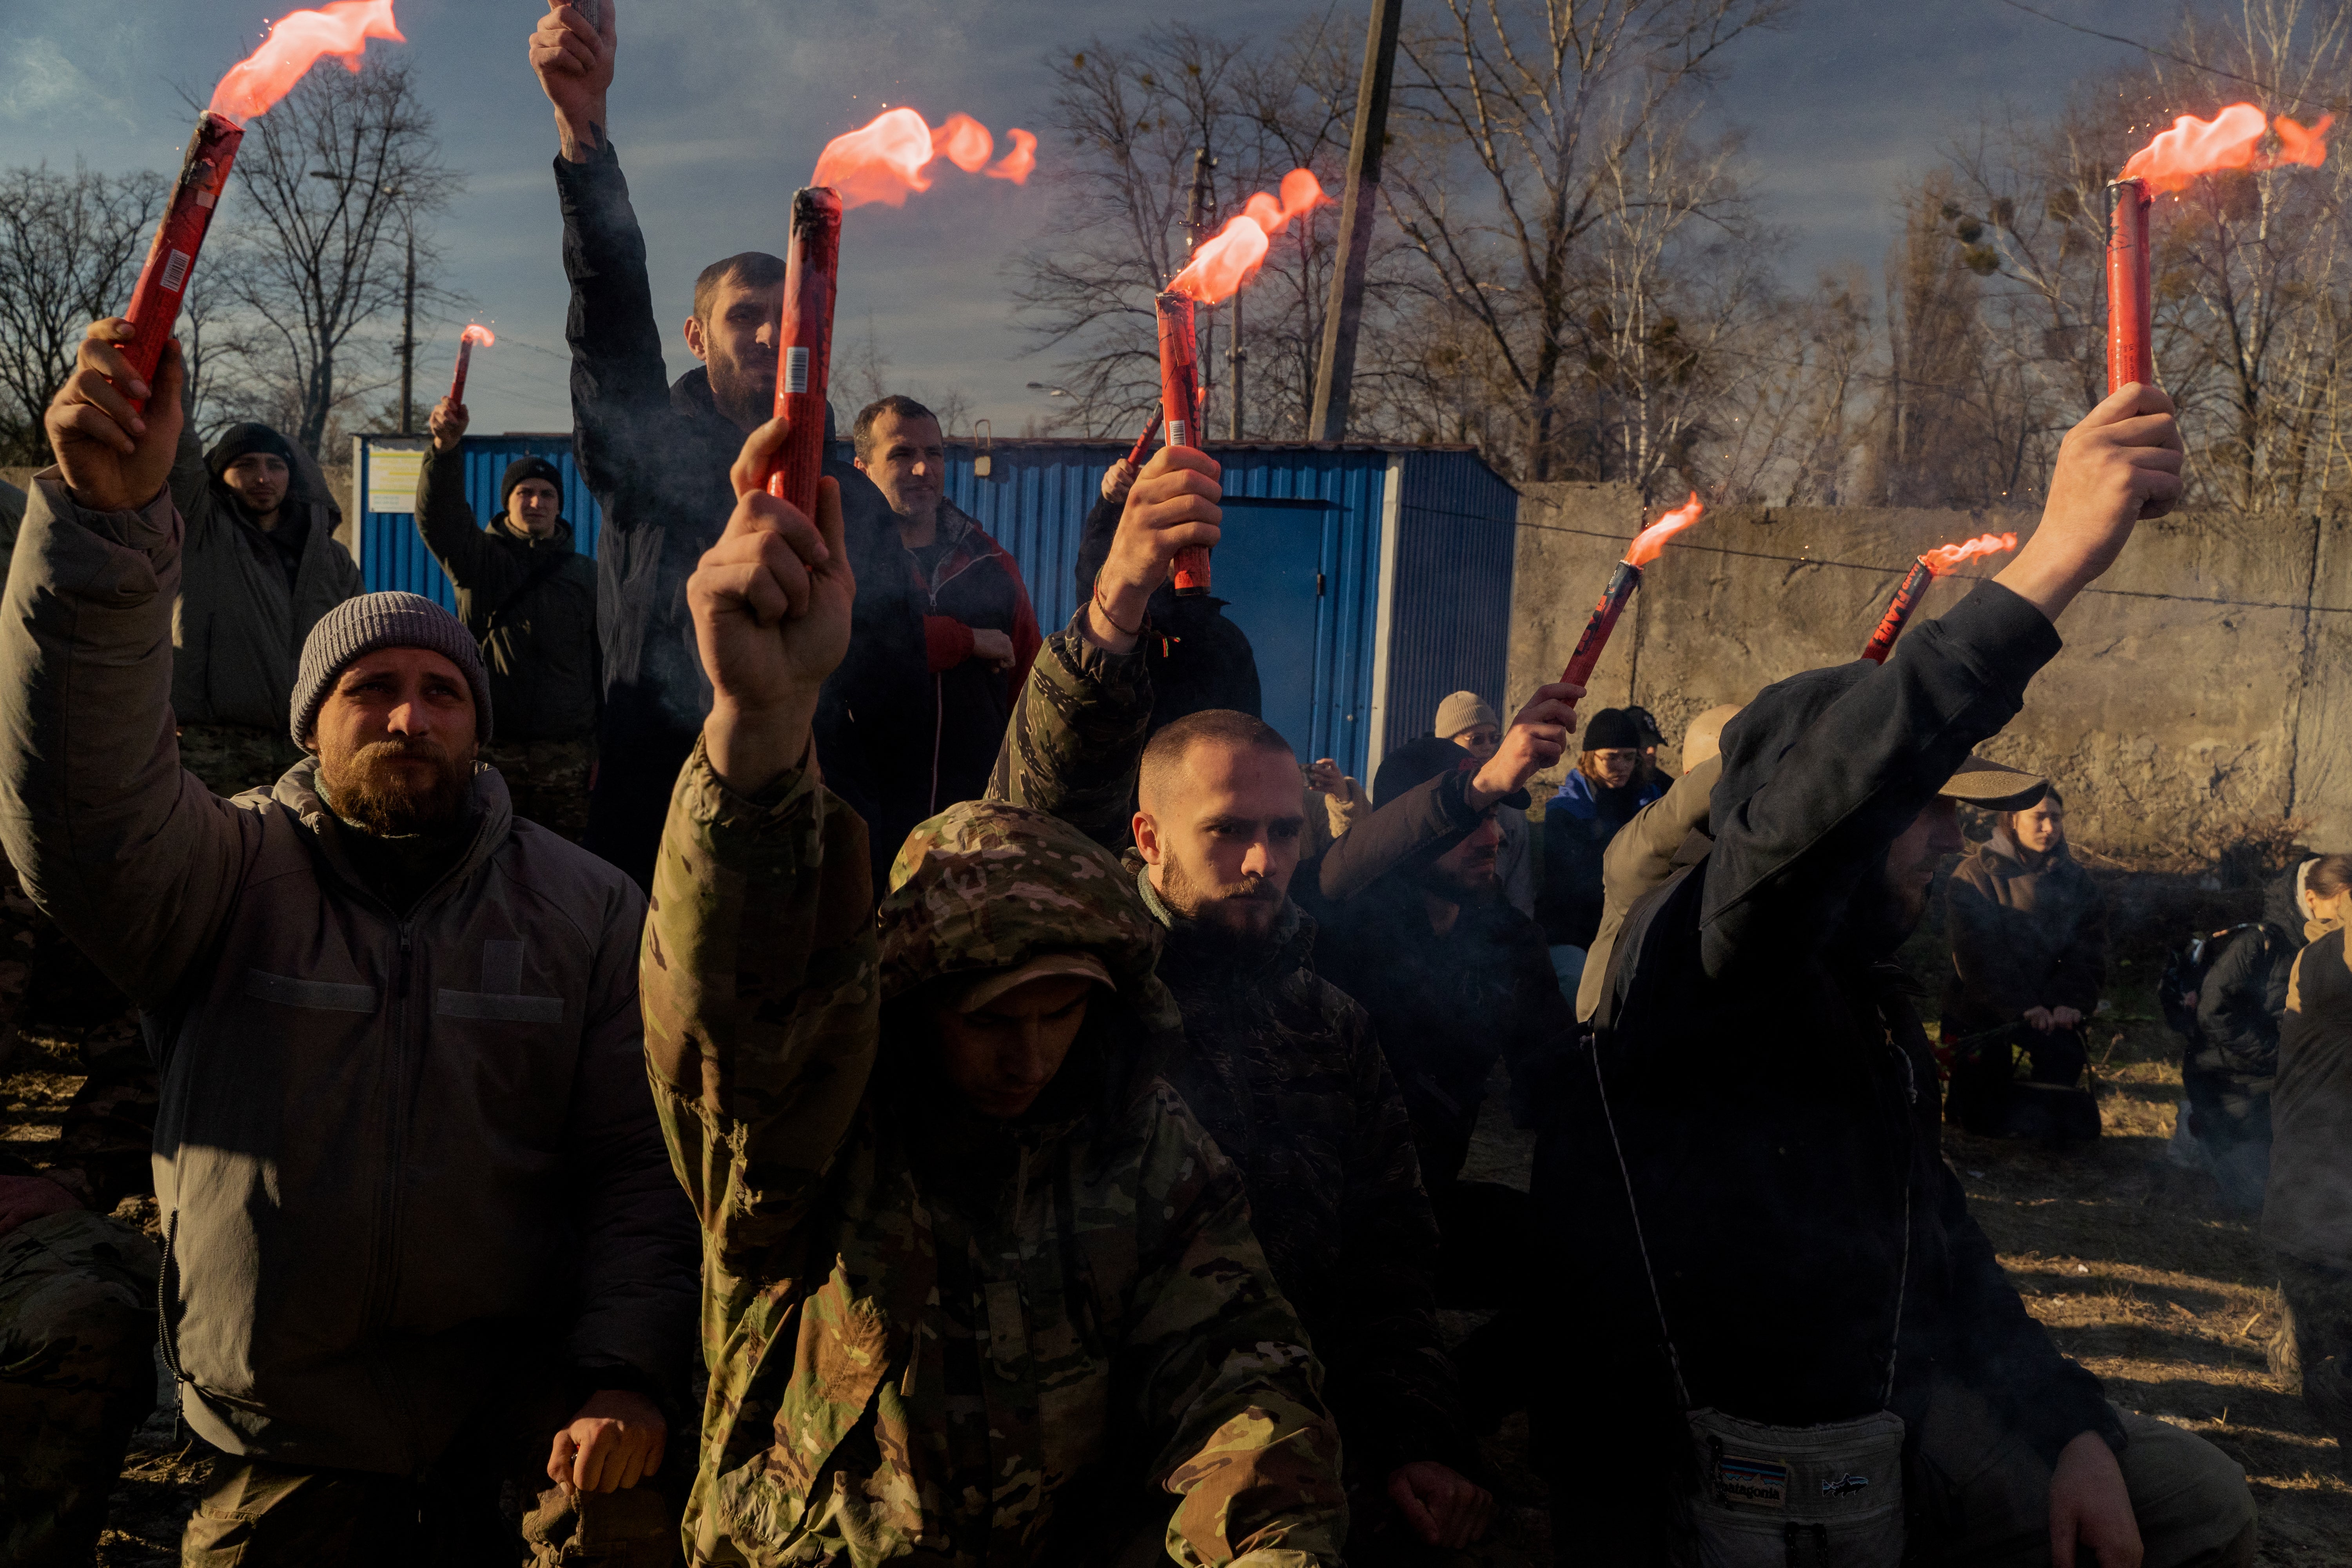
(1281,1066)
(419,1241)
(655,455)
(977,1288)
(1752,1179)
(529,599)
(262,560)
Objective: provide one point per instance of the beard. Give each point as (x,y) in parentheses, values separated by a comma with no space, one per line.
(1472,884)
(744,393)
(1243,911)
(370,790)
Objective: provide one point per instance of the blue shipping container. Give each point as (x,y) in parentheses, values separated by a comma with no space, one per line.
(1371,580)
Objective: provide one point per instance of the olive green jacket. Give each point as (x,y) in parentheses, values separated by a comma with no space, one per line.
(530,603)
(237,629)
(932,1337)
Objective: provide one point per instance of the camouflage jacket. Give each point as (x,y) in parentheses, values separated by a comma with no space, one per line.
(928,1335)
(1282,1068)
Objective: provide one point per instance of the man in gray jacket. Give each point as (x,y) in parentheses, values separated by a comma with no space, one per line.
(421,1235)
(259,563)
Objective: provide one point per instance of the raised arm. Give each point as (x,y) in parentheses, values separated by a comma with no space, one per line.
(1079,723)
(758,974)
(445,520)
(1451,803)
(620,386)
(135,860)
(1788,856)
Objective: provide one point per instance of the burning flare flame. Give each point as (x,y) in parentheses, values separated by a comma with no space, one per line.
(2231,140)
(884,161)
(255,84)
(477,333)
(1945,557)
(1651,543)
(1221,265)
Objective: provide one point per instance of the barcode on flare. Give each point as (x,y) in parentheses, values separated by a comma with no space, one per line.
(1176,433)
(796,363)
(175,271)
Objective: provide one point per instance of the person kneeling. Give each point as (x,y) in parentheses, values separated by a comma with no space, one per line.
(975,1283)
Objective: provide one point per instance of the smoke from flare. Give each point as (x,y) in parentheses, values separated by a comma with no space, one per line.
(1221,265)
(2231,140)
(477,333)
(1651,543)
(1945,557)
(294,43)
(885,159)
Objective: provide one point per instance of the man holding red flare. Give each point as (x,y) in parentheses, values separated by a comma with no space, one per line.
(1749,1162)
(656,458)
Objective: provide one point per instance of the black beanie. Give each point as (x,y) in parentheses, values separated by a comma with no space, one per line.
(523,469)
(242,440)
(1611,729)
(1415,763)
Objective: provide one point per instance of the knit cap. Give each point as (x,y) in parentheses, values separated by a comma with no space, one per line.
(357,627)
(1462,710)
(528,467)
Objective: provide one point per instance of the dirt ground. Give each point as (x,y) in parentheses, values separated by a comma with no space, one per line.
(2131,1259)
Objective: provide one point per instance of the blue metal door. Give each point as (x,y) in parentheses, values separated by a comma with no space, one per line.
(1269,568)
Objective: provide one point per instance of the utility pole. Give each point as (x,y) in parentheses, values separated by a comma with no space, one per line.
(1200,210)
(1335,368)
(408,341)
(1234,357)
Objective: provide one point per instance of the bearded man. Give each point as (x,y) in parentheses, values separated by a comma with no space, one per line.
(655,455)
(1282,1066)
(420,1238)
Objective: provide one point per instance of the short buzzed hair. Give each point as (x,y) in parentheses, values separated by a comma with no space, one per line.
(751,268)
(1164,757)
(861,433)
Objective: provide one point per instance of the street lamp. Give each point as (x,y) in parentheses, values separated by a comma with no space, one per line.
(407,299)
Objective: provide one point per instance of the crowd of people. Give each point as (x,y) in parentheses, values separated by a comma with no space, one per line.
(744,1051)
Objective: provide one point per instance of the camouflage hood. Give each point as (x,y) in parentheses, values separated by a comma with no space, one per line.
(983,887)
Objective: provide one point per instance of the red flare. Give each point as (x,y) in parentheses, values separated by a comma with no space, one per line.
(887,160)
(1946,557)
(293,47)
(1221,265)
(1652,541)
(2231,140)
(474,333)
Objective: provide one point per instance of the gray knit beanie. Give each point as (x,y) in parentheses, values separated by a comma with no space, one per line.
(359,626)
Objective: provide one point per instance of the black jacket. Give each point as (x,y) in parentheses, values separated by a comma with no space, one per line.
(2308,1208)
(1774,1095)
(2241,1001)
(656,456)
(530,603)
(1447,1008)
(1198,658)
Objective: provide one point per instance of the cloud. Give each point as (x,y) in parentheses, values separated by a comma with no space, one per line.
(41,81)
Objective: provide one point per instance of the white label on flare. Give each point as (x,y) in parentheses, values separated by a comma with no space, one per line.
(796,363)
(206,197)
(1176,433)
(175,271)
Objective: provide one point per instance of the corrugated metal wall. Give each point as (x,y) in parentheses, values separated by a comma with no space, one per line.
(1457,523)
(1448,622)
(391,553)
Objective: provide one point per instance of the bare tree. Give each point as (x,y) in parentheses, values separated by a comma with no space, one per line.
(1793,432)
(338,174)
(1129,120)
(70,247)
(1521,123)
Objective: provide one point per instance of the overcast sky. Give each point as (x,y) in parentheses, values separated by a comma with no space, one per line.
(721,106)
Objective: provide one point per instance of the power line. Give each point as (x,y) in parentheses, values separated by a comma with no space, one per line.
(1877,570)
(2270,88)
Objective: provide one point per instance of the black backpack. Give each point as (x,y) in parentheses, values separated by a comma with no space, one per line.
(2183,980)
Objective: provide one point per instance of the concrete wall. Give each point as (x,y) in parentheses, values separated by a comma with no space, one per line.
(2177,725)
